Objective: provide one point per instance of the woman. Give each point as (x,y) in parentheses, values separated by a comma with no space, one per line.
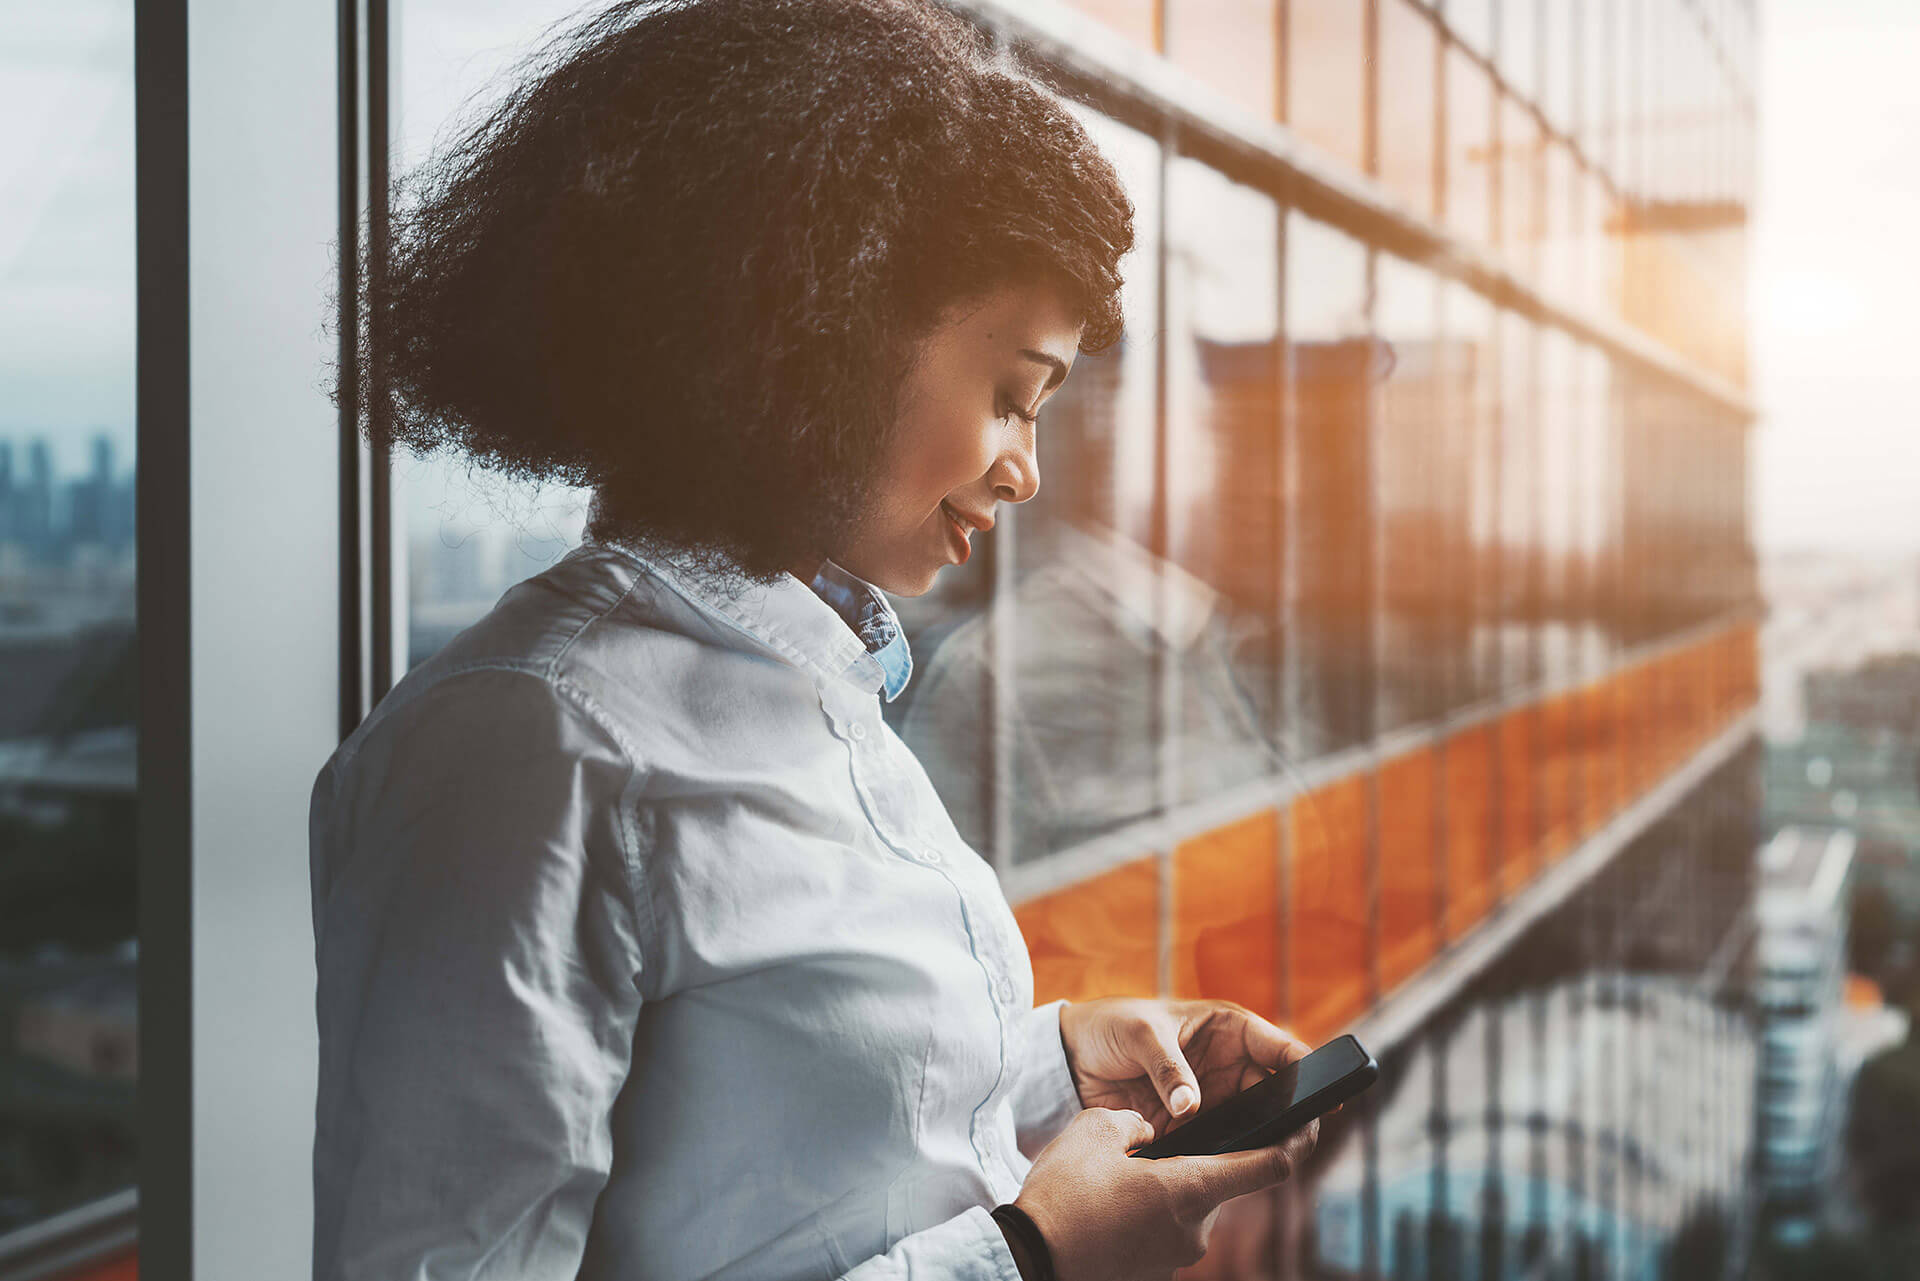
(646,949)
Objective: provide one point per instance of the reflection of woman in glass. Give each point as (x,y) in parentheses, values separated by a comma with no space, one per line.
(645,948)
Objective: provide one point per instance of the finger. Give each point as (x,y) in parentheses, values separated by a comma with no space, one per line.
(1157,1049)
(1133,1129)
(1231,1174)
(1272,1046)
(1300,1146)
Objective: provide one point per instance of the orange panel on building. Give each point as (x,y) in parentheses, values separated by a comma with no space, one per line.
(1554,760)
(1597,756)
(1137,20)
(1468,770)
(1100,937)
(1518,849)
(1409,866)
(1226,914)
(1327,937)
(1639,746)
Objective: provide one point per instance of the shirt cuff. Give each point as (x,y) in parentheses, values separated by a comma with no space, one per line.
(1044,1097)
(1000,1261)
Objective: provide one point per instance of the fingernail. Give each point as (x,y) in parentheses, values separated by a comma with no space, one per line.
(1181,1099)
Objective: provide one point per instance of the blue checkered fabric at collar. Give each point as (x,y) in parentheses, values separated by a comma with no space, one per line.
(872,619)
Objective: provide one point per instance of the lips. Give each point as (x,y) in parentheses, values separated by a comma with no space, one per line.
(959,531)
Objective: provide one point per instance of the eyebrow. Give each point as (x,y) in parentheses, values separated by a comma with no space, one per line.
(1053,362)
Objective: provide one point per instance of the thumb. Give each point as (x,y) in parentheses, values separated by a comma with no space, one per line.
(1167,1068)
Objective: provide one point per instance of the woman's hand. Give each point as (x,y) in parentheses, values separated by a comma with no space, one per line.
(1168,1060)
(1107,1216)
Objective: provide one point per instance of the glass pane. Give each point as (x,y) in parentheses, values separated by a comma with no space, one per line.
(1223,476)
(1233,45)
(69,1058)
(1472,22)
(1591,45)
(1473,431)
(1519,54)
(1414,493)
(1557,87)
(1408,49)
(1134,19)
(469,534)
(1519,186)
(1560,258)
(1334,364)
(1470,155)
(1560,517)
(1519,496)
(1326,76)
(1596,471)
(1083,635)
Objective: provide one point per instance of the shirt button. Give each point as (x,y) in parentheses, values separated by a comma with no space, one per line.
(986,1148)
(930,855)
(858,730)
(1005,988)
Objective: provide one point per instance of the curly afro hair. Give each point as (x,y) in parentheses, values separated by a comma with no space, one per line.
(686,260)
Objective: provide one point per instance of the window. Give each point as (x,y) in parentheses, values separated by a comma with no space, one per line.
(1223,462)
(1334,364)
(1518,487)
(1557,498)
(1519,187)
(1326,87)
(466,535)
(1418,481)
(1408,70)
(1233,45)
(1470,157)
(1518,55)
(1472,22)
(1472,400)
(69,1058)
(1134,19)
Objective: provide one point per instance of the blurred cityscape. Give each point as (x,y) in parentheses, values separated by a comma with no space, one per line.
(68,1045)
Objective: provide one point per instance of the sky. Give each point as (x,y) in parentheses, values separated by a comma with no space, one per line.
(1835,257)
(66,225)
(1836,276)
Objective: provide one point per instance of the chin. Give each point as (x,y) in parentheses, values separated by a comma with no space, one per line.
(908,584)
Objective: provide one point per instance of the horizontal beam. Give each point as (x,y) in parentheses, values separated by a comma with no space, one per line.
(1162,832)
(1410,1005)
(67,1243)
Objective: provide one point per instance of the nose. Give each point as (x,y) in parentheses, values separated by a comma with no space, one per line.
(1015,474)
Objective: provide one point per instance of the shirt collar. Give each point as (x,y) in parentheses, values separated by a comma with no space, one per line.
(841,626)
(866,609)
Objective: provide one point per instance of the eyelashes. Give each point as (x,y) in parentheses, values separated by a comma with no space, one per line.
(1010,410)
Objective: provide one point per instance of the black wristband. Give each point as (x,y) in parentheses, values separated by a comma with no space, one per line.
(1024,1240)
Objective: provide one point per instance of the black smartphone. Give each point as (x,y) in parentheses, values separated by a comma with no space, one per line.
(1268,1111)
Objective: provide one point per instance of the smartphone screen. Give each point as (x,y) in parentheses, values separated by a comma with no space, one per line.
(1267,1111)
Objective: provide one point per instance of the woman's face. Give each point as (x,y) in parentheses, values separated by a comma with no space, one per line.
(964,442)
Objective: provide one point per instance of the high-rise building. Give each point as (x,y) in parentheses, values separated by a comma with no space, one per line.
(1379,651)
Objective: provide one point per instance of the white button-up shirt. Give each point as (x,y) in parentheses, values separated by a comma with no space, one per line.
(647,951)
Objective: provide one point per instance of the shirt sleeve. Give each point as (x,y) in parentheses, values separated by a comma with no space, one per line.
(479,922)
(1044,1096)
(967,1247)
